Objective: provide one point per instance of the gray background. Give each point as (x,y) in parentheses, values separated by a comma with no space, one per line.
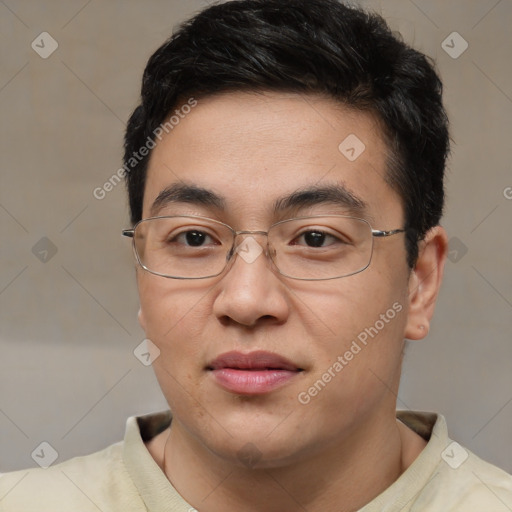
(68,326)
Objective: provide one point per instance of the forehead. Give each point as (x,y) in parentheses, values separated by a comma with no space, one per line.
(252,149)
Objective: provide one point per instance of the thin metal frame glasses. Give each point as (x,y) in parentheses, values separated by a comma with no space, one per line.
(312,248)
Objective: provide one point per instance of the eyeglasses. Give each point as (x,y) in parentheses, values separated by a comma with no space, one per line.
(312,248)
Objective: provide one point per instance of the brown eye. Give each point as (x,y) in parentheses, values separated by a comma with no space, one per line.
(315,238)
(192,238)
(195,238)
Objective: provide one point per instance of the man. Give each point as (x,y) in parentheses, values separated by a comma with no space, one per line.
(285,175)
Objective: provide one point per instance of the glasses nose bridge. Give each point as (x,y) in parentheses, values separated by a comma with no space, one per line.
(243,232)
(249,232)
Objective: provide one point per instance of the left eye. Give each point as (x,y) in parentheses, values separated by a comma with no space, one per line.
(193,238)
(315,238)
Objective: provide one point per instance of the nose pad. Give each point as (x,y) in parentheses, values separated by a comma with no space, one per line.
(249,249)
(230,253)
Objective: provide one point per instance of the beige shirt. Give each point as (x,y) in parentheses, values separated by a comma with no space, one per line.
(124,477)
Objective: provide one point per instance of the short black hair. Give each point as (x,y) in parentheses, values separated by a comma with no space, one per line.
(306,46)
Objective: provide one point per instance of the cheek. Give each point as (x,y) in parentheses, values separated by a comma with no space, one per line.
(336,312)
(174,313)
(356,334)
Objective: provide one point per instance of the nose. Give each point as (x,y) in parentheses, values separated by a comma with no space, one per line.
(250,292)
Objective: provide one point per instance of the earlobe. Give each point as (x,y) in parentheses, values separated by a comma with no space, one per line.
(425,282)
(142,320)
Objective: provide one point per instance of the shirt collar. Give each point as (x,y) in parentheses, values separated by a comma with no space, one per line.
(159,495)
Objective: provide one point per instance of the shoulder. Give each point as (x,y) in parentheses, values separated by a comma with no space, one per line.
(464,482)
(96,481)
(444,476)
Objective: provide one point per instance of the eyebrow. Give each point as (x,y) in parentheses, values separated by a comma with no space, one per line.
(185,193)
(338,195)
(335,194)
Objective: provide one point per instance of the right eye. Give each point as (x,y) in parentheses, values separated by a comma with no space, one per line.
(192,238)
(315,238)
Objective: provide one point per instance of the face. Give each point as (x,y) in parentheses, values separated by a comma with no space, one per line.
(334,346)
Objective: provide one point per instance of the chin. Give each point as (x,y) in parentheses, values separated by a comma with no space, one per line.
(257,456)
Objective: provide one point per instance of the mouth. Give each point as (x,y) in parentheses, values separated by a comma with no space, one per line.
(254,373)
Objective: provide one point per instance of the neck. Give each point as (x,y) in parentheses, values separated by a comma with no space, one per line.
(342,477)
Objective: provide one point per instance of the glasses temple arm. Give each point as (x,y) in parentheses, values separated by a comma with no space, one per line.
(379,233)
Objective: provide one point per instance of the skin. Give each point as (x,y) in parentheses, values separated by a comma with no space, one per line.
(345,446)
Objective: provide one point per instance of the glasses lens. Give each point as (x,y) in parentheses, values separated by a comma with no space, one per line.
(321,247)
(182,247)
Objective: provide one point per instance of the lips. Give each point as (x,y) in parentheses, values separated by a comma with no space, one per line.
(252,373)
(252,361)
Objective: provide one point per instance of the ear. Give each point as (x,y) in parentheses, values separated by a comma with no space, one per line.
(142,320)
(425,282)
